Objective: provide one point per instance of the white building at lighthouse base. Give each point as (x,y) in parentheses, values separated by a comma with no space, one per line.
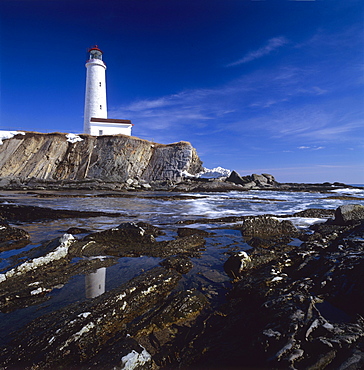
(110,126)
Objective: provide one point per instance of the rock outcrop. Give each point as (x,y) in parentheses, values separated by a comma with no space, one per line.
(253,181)
(116,158)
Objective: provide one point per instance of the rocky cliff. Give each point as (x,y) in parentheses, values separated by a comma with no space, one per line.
(117,158)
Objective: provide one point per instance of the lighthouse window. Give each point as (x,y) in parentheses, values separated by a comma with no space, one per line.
(100,106)
(100,84)
(100,132)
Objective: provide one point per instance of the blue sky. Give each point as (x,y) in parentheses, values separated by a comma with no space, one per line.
(271,86)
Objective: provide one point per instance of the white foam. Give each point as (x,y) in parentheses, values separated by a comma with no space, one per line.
(304,222)
(348,191)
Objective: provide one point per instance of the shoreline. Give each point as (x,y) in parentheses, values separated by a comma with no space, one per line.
(282,286)
(188,185)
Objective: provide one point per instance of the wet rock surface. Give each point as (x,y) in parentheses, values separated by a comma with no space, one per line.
(15,213)
(46,268)
(179,263)
(296,298)
(297,308)
(267,226)
(75,334)
(8,232)
(132,240)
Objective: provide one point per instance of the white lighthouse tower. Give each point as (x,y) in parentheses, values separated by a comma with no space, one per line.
(95,113)
(95,97)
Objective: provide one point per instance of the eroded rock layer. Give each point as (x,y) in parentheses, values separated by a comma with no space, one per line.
(109,158)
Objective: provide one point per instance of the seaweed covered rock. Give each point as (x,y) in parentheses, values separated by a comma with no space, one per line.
(182,264)
(267,226)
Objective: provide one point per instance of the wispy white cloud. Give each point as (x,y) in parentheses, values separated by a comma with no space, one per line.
(333,132)
(270,46)
(292,102)
(311,148)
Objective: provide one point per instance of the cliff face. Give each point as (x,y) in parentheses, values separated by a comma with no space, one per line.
(110,158)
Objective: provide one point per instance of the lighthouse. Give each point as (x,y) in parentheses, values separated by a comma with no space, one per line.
(95,112)
(95,97)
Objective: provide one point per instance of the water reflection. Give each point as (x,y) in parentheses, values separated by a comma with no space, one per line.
(95,283)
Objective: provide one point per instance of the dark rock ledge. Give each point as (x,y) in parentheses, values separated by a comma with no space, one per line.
(293,307)
(19,213)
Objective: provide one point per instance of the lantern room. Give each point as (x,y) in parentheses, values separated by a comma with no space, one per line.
(95,53)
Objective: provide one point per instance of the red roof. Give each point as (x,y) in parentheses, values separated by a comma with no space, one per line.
(110,120)
(95,47)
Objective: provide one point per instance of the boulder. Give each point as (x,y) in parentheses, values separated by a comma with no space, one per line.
(236,263)
(249,182)
(260,179)
(237,179)
(349,213)
(270,178)
(249,185)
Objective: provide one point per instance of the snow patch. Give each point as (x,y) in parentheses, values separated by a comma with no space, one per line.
(214,173)
(8,135)
(73,138)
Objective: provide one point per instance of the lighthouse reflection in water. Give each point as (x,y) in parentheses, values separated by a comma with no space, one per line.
(95,283)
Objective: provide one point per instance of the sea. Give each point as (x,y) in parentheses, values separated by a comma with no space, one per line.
(211,212)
